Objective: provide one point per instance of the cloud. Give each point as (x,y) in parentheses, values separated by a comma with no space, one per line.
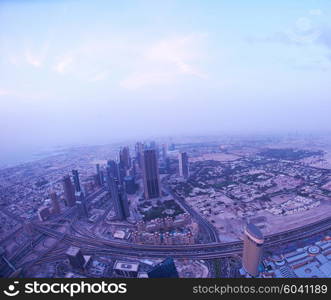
(164,61)
(88,60)
(180,52)
(139,80)
(63,64)
(32,59)
(316,12)
(99,76)
(37,57)
(138,63)
(306,29)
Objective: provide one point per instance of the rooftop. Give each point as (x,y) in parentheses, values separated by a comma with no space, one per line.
(126,266)
(73,251)
(254,231)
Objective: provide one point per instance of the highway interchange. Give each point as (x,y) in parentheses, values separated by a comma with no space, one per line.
(90,244)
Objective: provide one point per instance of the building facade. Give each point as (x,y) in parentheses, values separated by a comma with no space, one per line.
(152,188)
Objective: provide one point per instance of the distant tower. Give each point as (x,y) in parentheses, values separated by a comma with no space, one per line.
(76,180)
(69,191)
(152,145)
(139,148)
(164,152)
(253,249)
(55,203)
(165,269)
(113,170)
(100,175)
(119,198)
(183,165)
(125,159)
(152,188)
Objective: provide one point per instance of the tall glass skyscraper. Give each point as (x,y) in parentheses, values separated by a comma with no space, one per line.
(152,188)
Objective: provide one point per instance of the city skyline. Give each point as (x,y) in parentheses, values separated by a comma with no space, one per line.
(215,209)
(72,72)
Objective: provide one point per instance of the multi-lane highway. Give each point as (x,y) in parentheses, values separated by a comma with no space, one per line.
(197,251)
(92,244)
(26,248)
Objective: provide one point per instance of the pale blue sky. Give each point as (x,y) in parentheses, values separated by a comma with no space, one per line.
(93,71)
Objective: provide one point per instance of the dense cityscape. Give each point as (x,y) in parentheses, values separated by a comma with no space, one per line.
(209,207)
(165,139)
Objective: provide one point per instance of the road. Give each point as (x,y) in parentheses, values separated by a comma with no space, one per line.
(196,251)
(209,231)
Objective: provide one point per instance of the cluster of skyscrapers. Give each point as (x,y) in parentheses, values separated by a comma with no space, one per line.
(119,177)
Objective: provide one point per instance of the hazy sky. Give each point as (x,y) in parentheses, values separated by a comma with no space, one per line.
(91,71)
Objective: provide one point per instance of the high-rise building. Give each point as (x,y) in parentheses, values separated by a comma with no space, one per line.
(168,165)
(130,185)
(125,159)
(183,165)
(152,187)
(253,249)
(100,175)
(55,203)
(133,170)
(81,203)
(165,269)
(119,198)
(152,145)
(113,170)
(75,175)
(139,148)
(75,257)
(164,152)
(124,202)
(69,191)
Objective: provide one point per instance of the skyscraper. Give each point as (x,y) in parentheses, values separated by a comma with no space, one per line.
(69,191)
(139,148)
(130,184)
(100,176)
(164,152)
(113,170)
(119,198)
(55,203)
(125,160)
(152,188)
(183,165)
(253,249)
(124,203)
(81,203)
(165,269)
(75,175)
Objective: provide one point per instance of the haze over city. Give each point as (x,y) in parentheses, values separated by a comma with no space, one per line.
(165,139)
(91,72)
